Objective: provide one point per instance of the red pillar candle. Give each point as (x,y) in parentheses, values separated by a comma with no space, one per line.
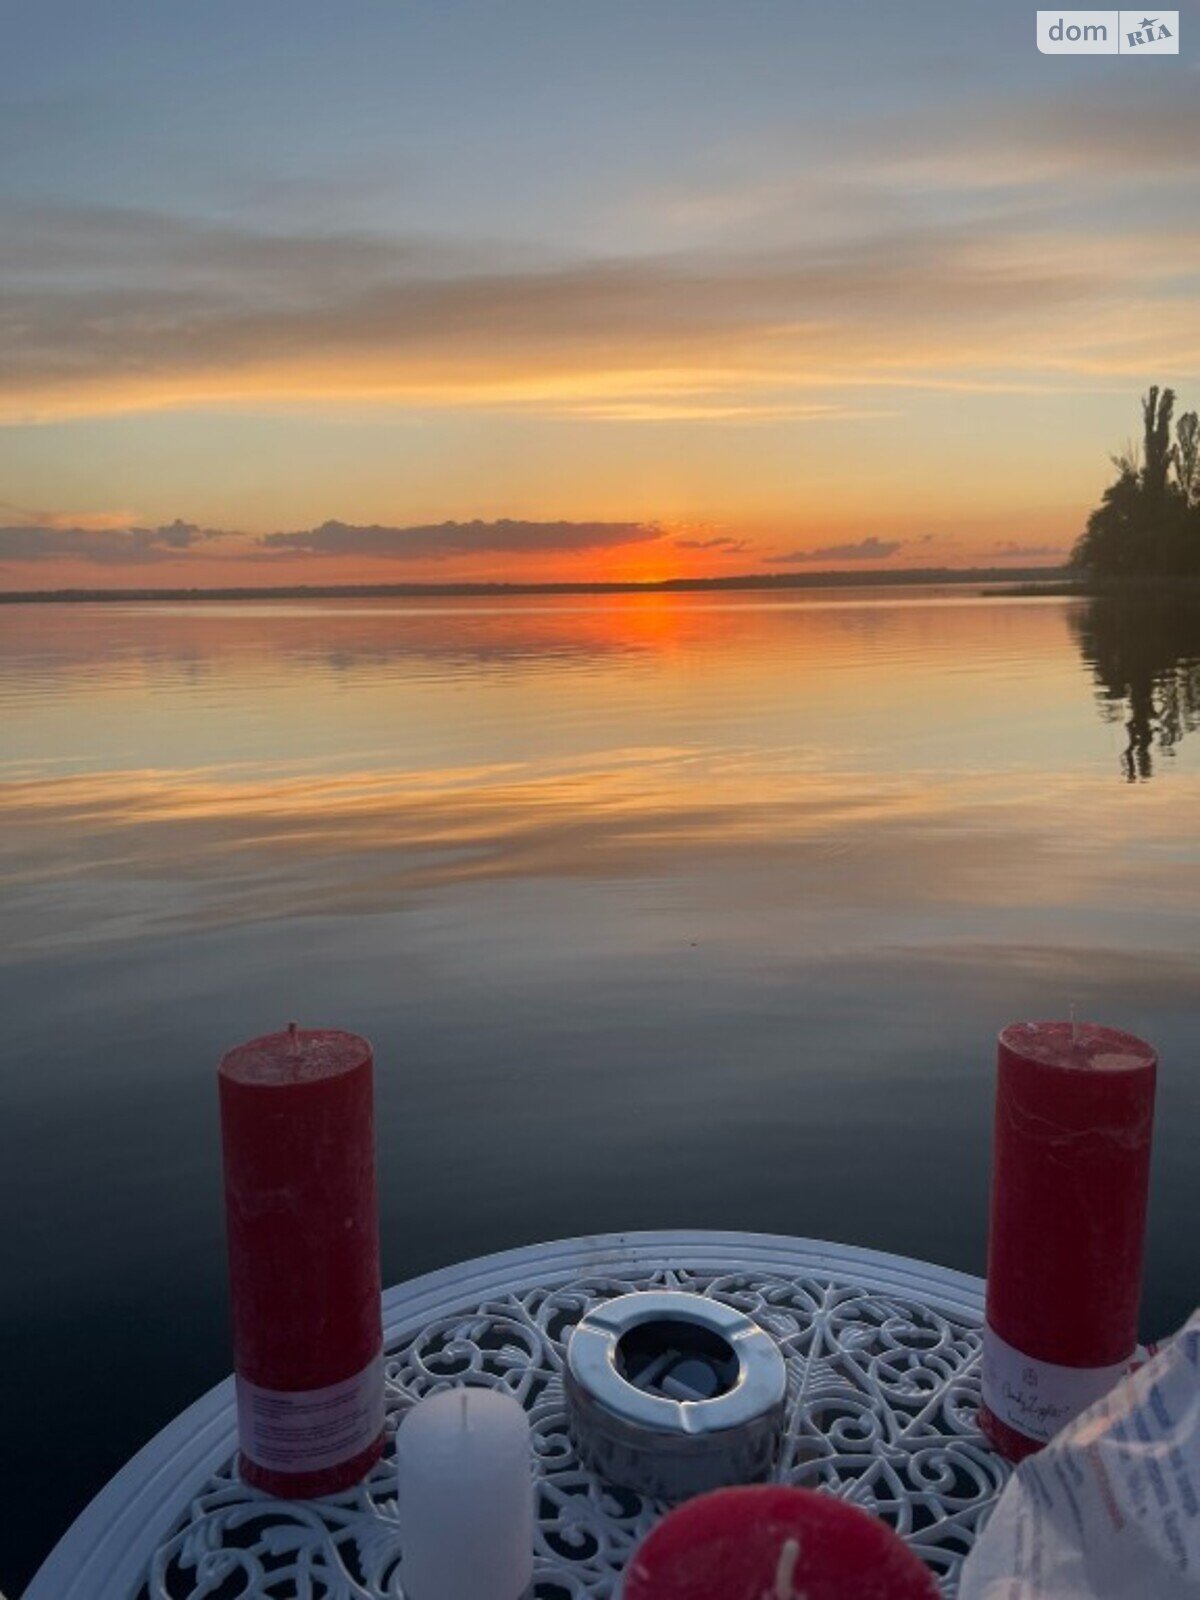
(1071,1162)
(297,1128)
(770,1542)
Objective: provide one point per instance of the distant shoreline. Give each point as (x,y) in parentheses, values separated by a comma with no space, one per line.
(414,591)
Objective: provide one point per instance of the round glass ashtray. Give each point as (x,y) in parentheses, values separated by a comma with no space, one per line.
(672,1394)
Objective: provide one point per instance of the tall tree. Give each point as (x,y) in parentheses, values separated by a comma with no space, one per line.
(1157,451)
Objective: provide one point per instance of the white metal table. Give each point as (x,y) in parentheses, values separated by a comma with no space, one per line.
(883,1367)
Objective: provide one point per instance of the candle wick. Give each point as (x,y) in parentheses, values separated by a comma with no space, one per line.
(293,1040)
(1074,1026)
(463,1401)
(785,1572)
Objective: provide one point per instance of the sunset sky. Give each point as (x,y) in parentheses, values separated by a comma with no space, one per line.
(396,291)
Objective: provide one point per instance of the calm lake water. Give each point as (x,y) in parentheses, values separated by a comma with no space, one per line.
(660,911)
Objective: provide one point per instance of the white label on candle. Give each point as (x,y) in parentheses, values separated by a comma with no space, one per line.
(307,1430)
(1037,1398)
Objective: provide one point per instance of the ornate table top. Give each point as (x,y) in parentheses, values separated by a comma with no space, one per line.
(882,1355)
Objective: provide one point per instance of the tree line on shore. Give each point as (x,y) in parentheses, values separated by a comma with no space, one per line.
(1147,524)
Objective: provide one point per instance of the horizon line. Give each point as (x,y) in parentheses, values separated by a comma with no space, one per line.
(831,578)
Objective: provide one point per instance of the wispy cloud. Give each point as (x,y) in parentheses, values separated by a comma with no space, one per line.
(1010,547)
(101,312)
(1020,143)
(869,549)
(723,542)
(29,517)
(1004,154)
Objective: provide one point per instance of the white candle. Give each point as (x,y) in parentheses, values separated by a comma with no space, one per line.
(465,1490)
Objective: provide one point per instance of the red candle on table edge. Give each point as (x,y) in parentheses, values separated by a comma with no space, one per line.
(772,1542)
(298,1139)
(1070,1172)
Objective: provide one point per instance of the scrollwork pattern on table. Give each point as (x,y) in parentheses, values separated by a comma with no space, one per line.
(882,1399)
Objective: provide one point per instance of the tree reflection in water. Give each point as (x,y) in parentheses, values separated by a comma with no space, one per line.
(1145,658)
